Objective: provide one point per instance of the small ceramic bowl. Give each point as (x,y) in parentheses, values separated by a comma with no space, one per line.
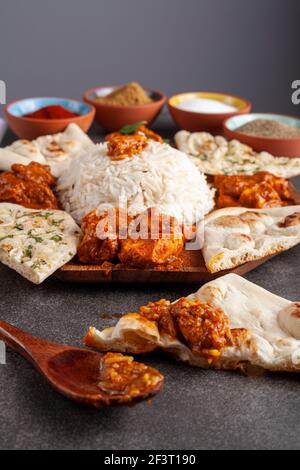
(30,128)
(276,146)
(113,117)
(210,122)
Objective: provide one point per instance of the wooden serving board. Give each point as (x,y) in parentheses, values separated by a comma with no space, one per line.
(194,271)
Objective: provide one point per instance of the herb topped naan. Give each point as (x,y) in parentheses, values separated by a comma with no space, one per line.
(35,243)
(218,156)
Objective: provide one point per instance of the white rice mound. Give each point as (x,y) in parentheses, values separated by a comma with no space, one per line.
(160,176)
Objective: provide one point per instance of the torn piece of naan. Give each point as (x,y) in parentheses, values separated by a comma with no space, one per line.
(216,155)
(9,156)
(57,150)
(35,243)
(228,323)
(236,235)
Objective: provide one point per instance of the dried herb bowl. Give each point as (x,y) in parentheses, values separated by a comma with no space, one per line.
(277,146)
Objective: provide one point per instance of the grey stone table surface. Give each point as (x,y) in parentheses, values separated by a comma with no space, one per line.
(197,409)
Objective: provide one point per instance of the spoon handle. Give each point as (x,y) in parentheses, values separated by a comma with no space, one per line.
(21,342)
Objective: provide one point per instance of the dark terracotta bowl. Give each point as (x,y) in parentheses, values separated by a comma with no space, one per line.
(28,128)
(277,147)
(209,122)
(113,118)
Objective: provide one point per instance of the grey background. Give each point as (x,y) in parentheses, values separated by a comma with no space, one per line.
(249,48)
(62,47)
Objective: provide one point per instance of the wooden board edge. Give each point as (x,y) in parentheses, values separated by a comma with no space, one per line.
(96,274)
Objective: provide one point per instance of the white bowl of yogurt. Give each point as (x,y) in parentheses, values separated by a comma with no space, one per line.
(205,111)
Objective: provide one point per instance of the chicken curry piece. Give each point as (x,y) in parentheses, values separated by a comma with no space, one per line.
(145,240)
(101,233)
(157,239)
(120,146)
(260,190)
(204,328)
(29,185)
(123,146)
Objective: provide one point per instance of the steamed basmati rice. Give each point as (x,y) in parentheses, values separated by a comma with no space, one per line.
(160,177)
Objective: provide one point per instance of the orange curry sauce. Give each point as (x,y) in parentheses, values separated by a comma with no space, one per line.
(121,375)
(121,146)
(204,328)
(29,185)
(260,190)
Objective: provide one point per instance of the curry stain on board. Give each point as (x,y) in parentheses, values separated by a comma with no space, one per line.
(110,316)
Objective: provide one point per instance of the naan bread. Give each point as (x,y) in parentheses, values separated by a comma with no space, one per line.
(235,235)
(8,156)
(266,329)
(56,150)
(60,149)
(35,243)
(218,156)
(28,150)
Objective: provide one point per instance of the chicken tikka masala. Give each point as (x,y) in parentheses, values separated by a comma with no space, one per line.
(29,185)
(145,240)
(260,190)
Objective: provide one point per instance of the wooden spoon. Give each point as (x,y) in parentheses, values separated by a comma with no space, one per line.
(74,372)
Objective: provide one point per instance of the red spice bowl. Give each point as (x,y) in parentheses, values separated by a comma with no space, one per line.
(288,147)
(114,117)
(210,122)
(31,127)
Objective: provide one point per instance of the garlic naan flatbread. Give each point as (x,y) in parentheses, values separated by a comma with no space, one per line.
(35,243)
(218,156)
(264,329)
(235,235)
(56,150)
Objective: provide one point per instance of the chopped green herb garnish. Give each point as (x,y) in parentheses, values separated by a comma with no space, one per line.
(19,226)
(37,264)
(47,215)
(57,222)
(28,251)
(6,236)
(56,238)
(34,237)
(166,141)
(29,214)
(132,127)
